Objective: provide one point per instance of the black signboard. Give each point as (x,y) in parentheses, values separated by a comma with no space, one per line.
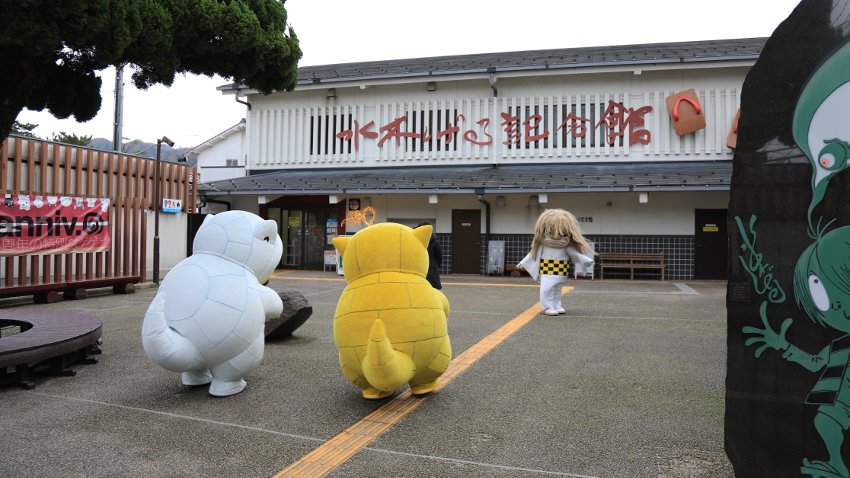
(788,302)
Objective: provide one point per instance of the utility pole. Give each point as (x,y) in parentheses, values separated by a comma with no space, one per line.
(119,108)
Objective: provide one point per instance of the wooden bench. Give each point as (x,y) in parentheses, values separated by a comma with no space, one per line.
(49,292)
(630,261)
(48,339)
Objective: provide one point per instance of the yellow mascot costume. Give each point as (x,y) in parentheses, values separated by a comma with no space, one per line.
(390,325)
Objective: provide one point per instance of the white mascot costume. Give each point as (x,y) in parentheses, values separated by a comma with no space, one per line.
(557,238)
(208,317)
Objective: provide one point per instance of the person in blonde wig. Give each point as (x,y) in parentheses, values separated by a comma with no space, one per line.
(557,237)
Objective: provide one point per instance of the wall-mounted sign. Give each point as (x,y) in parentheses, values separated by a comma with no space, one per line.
(618,121)
(331,225)
(685,111)
(732,137)
(354,204)
(53,225)
(788,341)
(366,216)
(172,205)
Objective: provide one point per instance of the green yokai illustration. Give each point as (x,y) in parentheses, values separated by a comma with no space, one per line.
(820,124)
(822,273)
(822,289)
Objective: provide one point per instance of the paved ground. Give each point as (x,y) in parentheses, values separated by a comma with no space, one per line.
(629,383)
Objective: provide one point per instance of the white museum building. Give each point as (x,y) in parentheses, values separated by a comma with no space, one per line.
(636,141)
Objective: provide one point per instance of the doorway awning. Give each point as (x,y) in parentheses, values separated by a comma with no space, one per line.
(503,179)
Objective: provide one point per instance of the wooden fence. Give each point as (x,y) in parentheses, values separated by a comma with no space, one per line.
(41,168)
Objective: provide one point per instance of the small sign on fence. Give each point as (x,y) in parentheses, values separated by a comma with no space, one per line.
(172,205)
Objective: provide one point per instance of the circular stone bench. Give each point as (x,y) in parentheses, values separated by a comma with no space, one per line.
(49,339)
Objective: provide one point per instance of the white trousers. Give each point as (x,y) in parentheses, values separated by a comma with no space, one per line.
(550,291)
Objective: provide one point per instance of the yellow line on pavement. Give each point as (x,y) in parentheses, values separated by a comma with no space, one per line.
(490,284)
(339,449)
(277,275)
(340,279)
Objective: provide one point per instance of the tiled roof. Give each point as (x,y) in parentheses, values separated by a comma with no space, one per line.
(531,60)
(666,176)
(649,54)
(240,126)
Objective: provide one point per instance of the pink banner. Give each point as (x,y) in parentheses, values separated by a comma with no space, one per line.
(53,225)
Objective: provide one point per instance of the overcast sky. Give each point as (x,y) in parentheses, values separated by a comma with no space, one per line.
(340,31)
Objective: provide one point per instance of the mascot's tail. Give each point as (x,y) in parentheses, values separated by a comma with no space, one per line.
(385,369)
(164,345)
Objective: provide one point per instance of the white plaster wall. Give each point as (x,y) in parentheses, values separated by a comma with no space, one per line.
(209,175)
(666,213)
(173,235)
(213,159)
(291,130)
(218,153)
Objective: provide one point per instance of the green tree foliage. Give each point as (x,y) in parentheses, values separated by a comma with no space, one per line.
(24,129)
(68,138)
(50,50)
(137,147)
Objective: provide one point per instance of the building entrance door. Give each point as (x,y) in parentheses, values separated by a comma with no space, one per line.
(466,241)
(304,236)
(710,244)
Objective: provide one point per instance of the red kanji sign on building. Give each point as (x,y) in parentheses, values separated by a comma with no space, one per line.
(618,120)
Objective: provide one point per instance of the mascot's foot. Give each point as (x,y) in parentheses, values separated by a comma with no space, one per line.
(424,388)
(552,312)
(375,394)
(821,469)
(222,388)
(561,310)
(196,379)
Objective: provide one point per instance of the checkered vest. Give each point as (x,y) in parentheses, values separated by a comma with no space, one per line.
(554,267)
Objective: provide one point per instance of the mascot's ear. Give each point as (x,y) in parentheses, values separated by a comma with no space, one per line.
(266,228)
(341,243)
(423,234)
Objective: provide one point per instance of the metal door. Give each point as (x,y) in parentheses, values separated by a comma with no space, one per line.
(710,244)
(466,241)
